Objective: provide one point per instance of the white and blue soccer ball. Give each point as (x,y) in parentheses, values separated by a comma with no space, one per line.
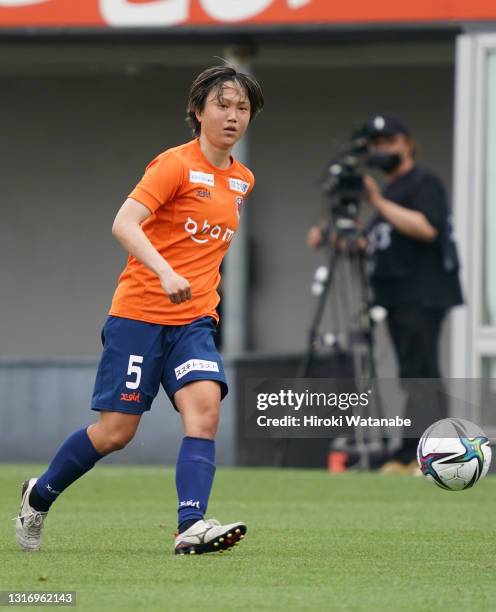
(454,454)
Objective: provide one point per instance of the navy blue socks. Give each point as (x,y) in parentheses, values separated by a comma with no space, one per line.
(195,471)
(75,457)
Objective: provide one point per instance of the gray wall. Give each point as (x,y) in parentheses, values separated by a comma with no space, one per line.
(78,131)
(73,147)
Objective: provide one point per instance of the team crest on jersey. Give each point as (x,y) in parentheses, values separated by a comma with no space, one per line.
(238,185)
(204,193)
(195,176)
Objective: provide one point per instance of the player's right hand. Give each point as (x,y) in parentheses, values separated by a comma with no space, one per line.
(177,287)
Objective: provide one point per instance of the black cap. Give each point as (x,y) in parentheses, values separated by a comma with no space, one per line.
(386,125)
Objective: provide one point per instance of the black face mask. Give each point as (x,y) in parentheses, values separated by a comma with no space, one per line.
(387,162)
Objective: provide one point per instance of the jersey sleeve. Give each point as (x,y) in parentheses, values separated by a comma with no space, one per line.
(251,180)
(430,199)
(161,182)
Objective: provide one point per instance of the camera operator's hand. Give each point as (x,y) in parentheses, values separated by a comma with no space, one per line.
(372,190)
(361,243)
(315,236)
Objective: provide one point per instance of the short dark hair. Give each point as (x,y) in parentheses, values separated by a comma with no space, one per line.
(214,78)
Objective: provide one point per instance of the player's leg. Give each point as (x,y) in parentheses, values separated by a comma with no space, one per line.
(127,380)
(195,381)
(199,406)
(77,455)
(113,431)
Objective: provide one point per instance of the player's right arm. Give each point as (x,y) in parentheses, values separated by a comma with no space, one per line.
(127,230)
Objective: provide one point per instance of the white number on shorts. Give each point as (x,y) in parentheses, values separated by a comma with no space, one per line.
(132,368)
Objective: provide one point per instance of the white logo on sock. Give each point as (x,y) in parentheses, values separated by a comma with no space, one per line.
(189,504)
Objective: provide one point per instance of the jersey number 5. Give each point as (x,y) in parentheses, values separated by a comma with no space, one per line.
(132,368)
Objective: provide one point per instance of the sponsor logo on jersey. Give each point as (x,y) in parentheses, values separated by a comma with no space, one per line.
(199,365)
(202,234)
(204,193)
(238,185)
(130,397)
(195,176)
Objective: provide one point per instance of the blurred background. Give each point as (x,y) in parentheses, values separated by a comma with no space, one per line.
(91,93)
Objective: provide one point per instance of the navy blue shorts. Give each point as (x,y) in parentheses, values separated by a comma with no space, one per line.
(138,356)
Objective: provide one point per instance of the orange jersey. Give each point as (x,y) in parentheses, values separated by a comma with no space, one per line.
(195,214)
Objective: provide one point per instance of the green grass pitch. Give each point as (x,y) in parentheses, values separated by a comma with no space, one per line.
(314,542)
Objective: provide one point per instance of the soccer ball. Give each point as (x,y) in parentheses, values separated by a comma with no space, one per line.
(454,454)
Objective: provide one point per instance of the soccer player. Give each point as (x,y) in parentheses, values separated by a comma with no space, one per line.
(177,225)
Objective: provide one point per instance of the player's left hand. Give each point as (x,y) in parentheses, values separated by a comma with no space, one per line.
(371,189)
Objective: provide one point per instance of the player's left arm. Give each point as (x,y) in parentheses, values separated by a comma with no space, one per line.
(411,223)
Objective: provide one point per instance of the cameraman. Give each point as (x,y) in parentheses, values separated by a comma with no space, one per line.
(413,267)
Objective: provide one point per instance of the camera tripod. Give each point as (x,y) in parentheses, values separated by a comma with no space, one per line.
(344,255)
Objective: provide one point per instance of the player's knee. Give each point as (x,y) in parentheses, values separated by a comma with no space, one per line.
(208,429)
(207,421)
(118,439)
